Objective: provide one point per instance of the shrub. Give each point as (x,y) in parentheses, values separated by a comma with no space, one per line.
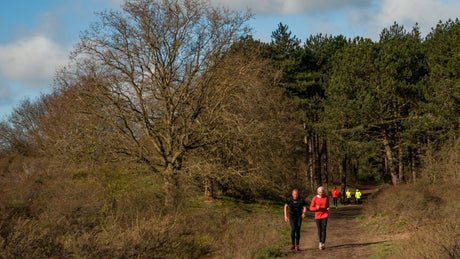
(427,212)
(80,213)
(438,240)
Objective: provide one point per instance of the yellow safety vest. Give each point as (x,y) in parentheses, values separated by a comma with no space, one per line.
(348,194)
(358,195)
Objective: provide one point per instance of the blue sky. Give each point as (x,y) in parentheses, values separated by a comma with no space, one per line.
(36,36)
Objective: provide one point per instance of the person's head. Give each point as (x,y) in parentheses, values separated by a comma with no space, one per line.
(335,187)
(295,194)
(320,190)
(357,190)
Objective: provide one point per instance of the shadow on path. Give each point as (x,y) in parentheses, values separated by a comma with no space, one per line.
(355,245)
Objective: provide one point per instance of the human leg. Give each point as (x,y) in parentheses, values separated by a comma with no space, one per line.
(318,226)
(293,228)
(297,231)
(323,230)
(321,225)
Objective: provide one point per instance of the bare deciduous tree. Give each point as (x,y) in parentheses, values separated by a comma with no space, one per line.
(255,137)
(20,133)
(151,68)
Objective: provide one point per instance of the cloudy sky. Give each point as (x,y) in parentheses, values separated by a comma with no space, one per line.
(36,36)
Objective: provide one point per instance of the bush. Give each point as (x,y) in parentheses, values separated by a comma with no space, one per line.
(406,206)
(438,240)
(428,213)
(116,212)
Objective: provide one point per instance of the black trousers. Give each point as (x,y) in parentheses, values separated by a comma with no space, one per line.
(321,224)
(335,201)
(296,223)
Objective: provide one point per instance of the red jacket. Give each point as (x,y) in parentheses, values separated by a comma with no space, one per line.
(335,193)
(323,203)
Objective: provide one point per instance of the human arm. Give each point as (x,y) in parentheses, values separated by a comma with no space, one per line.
(286,219)
(313,205)
(304,213)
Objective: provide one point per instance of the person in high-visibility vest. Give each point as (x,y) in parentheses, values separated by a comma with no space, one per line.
(348,194)
(358,196)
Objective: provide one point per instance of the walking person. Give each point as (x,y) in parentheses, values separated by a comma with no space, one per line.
(348,194)
(320,205)
(297,209)
(358,196)
(335,196)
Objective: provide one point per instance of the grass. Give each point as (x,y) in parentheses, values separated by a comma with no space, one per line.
(426,215)
(117,213)
(360,218)
(382,250)
(425,212)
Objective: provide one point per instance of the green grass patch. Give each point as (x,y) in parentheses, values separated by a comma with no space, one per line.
(382,249)
(271,253)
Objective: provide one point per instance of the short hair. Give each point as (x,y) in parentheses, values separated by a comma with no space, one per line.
(295,190)
(321,188)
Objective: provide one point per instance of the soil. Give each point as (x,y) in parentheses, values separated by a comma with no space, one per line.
(345,237)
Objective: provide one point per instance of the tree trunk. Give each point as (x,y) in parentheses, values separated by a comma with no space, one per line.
(400,163)
(325,163)
(171,185)
(309,161)
(390,160)
(208,188)
(343,177)
(385,167)
(353,167)
(317,161)
(412,165)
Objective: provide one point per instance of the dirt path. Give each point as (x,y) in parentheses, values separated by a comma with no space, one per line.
(345,238)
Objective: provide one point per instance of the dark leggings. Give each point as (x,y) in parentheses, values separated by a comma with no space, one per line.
(321,224)
(335,201)
(296,223)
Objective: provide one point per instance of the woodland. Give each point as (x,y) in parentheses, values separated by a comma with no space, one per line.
(171,122)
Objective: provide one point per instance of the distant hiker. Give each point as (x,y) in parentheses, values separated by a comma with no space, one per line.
(348,194)
(358,196)
(335,195)
(320,205)
(297,210)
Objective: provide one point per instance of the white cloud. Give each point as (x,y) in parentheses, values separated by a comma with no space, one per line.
(32,61)
(113,3)
(289,7)
(426,13)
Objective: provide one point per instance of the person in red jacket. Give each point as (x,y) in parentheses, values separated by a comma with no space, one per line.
(320,205)
(335,196)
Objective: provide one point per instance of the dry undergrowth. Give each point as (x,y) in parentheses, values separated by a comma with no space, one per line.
(52,213)
(426,212)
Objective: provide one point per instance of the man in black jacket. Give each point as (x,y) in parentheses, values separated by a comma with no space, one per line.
(297,210)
